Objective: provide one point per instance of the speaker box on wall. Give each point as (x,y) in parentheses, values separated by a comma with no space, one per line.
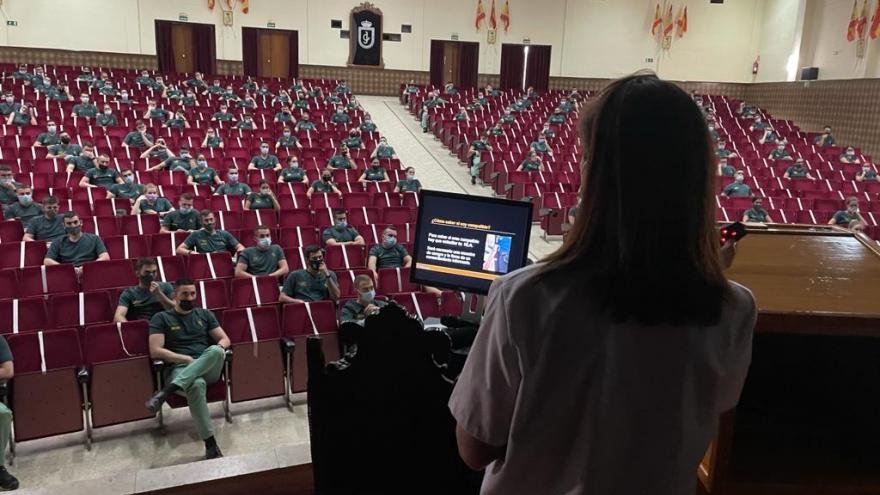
(809,73)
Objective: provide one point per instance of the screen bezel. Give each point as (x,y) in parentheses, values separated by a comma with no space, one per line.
(426,193)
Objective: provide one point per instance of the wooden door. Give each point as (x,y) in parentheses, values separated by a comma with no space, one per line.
(274,53)
(451,54)
(183,47)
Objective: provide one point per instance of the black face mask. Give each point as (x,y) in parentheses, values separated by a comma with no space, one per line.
(65,140)
(326,178)
(186,305)
(146,279)
(316,264)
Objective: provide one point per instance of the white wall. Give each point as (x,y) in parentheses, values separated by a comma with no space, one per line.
(825,45)
(781,29)
(590,38)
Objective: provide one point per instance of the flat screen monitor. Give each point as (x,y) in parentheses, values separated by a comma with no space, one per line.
(465,242)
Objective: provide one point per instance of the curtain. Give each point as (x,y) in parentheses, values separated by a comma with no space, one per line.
(437,47)
(512,60)
(468,65)
(164,48)
(294,54)
(205,47)
(538,68)
(250,51)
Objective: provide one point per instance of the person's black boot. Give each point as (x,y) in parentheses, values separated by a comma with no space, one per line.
(212,450)
(473,180)
(7,481)
(154,403)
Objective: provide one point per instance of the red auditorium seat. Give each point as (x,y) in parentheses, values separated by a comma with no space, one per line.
(44,280)
(126,246)
(80,309)
(139,224)
(257,368)
(212,265)
(9,287)
(110,274)
(11,231)
(345,257)
(398,215)
(346,281)
(298,321)
(213,295)
(23,315)
(421,304)
(297,237)
(22,254)
(255,291)
(395,280)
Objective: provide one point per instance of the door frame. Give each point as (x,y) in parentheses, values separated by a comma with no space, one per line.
(460,44)
(293,64)
(196,25)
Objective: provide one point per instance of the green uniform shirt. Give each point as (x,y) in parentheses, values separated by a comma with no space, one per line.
(301,103)
(479,145)
(722,153)
(237,189)
(65,149)
(87,248)
(353,142)
(291,174)
(47,139)
(728,171)
(43,229)
(204,176)
(737,190)
(188,101)
(143,304)
(176,124)
(105,120)
(8,196)
(85,110)
(795,172)
(305,125)
(496,131)
(828,142)
(245,124)
(177,163)
(376,174)
(844,217)
(353,310)
(339,161)
(160,206)
(756,215)
(384,152)
(340,118)
(409,185)
(759,126)
(127,191)
(265,162)
(322,187)
(368,127)
(508,118)
(389,257)
(135,139)
(539,147)
(770,138)
(557,118)
(103,178)
(347,234)
(260,202)
(284,117)
(223,116)
(176,220)
(342,88)
(287,141)
(185,334)
(7,108)
(869,175)
(203,242)
(302,285)
(213,142)
(260,262)
(460,117)
(21,119)
(23,213)
(160,154)
(779,155)
(159,113)
(108,91)
(531,166)
(5,352)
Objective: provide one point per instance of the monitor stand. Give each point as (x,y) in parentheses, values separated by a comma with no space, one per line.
(472,309)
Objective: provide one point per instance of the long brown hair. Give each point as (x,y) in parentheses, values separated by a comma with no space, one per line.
(644,241)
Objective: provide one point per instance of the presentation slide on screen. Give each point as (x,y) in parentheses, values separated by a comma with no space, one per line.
(467,244)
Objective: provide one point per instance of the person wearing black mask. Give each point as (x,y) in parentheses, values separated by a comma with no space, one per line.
(77,247)
(193,347)
(314,283)
(325,185)
(209,239)
(148,297)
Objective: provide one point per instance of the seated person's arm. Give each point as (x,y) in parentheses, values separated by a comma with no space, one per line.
(49,261)
(832,221)
(247,204)
(371,263)
(310,192)
(476,454)
(239,248)
(119,316)
(241,270)
(284,298)
(333,289)
(785,175)
(84,182)
(282,270)
(860,177)
(363,177)
(183,249)
(745,218)
(769,219)
(7,370)
(407,261)
(336,190)
(105,256)
(158,351)
(136,207)
(359,241)
(27,237)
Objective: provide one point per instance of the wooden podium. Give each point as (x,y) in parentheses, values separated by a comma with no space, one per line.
(804,424)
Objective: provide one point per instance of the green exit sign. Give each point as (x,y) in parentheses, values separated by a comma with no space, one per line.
(270,24)
(182,18)
(12,23)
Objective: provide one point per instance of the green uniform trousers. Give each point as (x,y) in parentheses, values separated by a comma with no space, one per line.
(5,431)
(476,165)
(193,380)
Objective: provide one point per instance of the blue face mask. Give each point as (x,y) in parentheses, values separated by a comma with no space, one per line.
(368,296)
(341,224)
(389,241)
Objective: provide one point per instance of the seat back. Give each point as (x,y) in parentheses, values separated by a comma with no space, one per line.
(252,324)
(393,280)
(115,341)
(212,294)
(254,291)
(345,257)
(80,309)
(23,315)
(110,274)
(43,351)
(308,318)
(53,279)
(122,247)
(210,265)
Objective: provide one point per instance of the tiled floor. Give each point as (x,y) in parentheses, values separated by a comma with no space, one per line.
(138,456)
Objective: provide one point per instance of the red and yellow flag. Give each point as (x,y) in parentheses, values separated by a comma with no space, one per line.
(211,4)
(853,20)
(863,21)
(682,22)
(667,27)
(875,23)
(505,15)
(481,14)
(658,20)
(245,6)
(492,22)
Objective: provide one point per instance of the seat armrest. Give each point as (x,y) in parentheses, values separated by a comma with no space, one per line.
(157,365)
(82,375)
(228,356)
(288,345)
(4,391)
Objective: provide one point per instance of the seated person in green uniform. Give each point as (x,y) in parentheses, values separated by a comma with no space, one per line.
(849,156)
(342,159)
(247,101)
(757,213)
(56,93)
(409,184)
(193,347)
(725,169)
(383,150)
(106,118)
(284,116)
(232,186)
(173,92)
(449,89)
(22,74)
(340,233)
(366,303)
(189,99)
(184,219)
(148,297)
(867,174)
(557,117)
(374,173)
(138,138)
(713,133)
(249,84)
(353,141)
(262,199)
(332,100)
(737,188)
(825,139)
(183,163)
(264,161)
(424,117)
(63,149)
(263,259)
(758,125)
(129,189)
(353,104)
(212,140)
(342,88)
(461,115)
(798,171)
(48,138)
(145,79)
(154,111)
(324,185)
(305,123)
(157,152)
(202,174)
(214,89)
(282,98)
(178,121)
(151,203)
(8,105)
(293,172)
(7,481)
(340,117)
(22,116)
(84,108)
(24,209)
(228,94)
(388,254)
(301,101)
(367,125)
(541,146)
(287,140)
(547,131)
(531,164)
(8,186)
(474,156)
(409,89)
(102,79)
(196,82)
(208,239)
(102,175)
(247,123)
(780,153)
(496,130)
(107,89)
(769,136)
(481,99)
(48,226)
(77,247)
(721,151)
(223,115)
(850,214)
(746,110)
(312,283)
(508,117)
(125,99)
